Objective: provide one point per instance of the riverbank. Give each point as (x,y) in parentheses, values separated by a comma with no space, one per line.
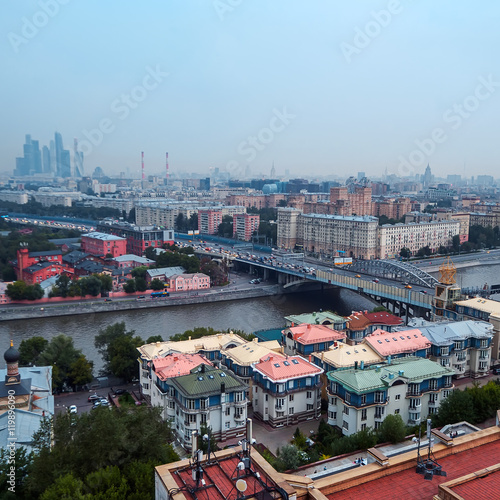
(431,268)
(99,306)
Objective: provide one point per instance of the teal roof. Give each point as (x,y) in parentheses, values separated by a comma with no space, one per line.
(206,381)
(315,318)
(414,369)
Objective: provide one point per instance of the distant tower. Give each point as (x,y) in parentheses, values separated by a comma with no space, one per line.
(427,179)
(142,167)
(273,171)
(166,166)
(77,159)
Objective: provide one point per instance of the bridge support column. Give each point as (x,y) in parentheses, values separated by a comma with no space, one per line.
(266,274)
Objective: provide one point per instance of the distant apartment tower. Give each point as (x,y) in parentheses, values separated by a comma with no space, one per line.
(345,203)
(31,161)
(209,221)
(244,225)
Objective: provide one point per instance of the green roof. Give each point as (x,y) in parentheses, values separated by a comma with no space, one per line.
(414,369)
(206,381)
(315,318)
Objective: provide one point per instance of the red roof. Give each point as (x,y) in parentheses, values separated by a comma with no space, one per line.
(175,365)
(278,367)
(312,334)
(384,318)
(386,343)
(409,485)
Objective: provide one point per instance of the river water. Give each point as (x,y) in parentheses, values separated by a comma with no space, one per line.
(248,315)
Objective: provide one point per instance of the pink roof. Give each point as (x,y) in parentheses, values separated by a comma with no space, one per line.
(312,334)
(386,343)
(175,365)
(278,367)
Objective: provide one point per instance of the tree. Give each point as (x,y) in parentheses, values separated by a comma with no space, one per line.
(154,338)
(61,287)
(90,285)
(81,372)
(16,290)
(150,253)
(33,292)
(118,348)
(392,429)
(140,272)
(22,460)
(405,253)
(140,284)
(62,355)
(31,349)
(157,284)
(106,282)
(290,457)
(203,441)
(458,406)
(129,286)
(98,454)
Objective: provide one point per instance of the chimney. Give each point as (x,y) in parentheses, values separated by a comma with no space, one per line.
(309,358)
(362,365)
(249,430)
(223,388)
(355,365)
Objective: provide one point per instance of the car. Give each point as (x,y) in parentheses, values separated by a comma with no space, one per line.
(376,280)
(407,286)
(108,300)
(496,370)
(118,392)
(358,275)
(73,409)
(94,397)
(423,291)
(104,402)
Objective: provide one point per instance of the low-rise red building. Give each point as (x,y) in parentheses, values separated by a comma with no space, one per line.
(34,267)
(184,282)
(104,244)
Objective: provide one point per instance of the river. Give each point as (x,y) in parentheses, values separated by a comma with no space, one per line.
(247,315)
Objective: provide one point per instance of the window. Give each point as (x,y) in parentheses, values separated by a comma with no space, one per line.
(345,425)
(433,384)
(228,412)
(309,395)
(332,415)
(228,425)
(310,407)
(347,397)
(190,404)
(290,411)
(396,412)
(398,397)
(346,410)
(363,414)
(267,397)
(290,397)
(203,418)
(363,399)
(377,425)
(363,427)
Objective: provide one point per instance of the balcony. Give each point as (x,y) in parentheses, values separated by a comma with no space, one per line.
(239,417)
(414,421)
(433,404)
(414,393)
(187,423)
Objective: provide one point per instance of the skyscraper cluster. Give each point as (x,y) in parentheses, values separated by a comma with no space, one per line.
(54,160)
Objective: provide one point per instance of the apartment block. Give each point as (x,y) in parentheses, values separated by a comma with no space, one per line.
(209,221)
(244,225)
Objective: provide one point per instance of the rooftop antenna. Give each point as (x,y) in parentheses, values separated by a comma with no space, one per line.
(142,166)
(428,467)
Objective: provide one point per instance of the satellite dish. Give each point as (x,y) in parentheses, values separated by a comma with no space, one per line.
(241,485)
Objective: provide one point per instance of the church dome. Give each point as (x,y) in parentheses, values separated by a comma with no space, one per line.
(11,355)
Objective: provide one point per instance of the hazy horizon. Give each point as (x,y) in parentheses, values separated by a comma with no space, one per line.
(323,88)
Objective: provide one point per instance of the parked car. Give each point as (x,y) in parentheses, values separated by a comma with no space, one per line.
(73,409)
(108,300)
(376,280)
(94,397)
(496,370)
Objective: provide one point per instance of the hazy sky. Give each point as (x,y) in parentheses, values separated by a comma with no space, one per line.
(322,87)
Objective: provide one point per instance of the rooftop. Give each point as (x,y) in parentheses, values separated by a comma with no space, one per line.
(251,352)
(318,318)
(447,333)
(278,367)
(175,365)
(485,305)
(411,369)
(387,343)
(344,356)
(313,334)
(360,320)
(134,258)
(165,271)
(103,236)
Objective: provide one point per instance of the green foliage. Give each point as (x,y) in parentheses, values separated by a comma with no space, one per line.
(203,443)
(171,259)
(290,457)
(405,253)
(19,290)
(157,284)
(380,309)
(22,460)
(299,439)
(225,228)
(97,455)
(140,284)
(154,338)
(140,272)
(30,350)
(129,286)
(90,285)
(392,429)
(217,271)
(201,331)
(69,365)
(383,219)
(106,282)
(62,286)
(118,349)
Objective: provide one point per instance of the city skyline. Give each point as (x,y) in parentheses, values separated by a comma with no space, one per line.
(326,89)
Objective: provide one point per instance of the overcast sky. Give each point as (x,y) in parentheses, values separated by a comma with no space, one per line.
(320,87)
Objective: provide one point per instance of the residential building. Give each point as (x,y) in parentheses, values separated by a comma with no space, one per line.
(103,244)
(209,221)
(345,203)
(138,238)
(414,236)
(286,390)
(328,234)
(19,197)
(362,323)
(479,308)
(186,282)
(304,339)
(207,396)
(392,208)
(326,318)
(132,261)
(34,267)
(411,387)
(245,225)
(464,346)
